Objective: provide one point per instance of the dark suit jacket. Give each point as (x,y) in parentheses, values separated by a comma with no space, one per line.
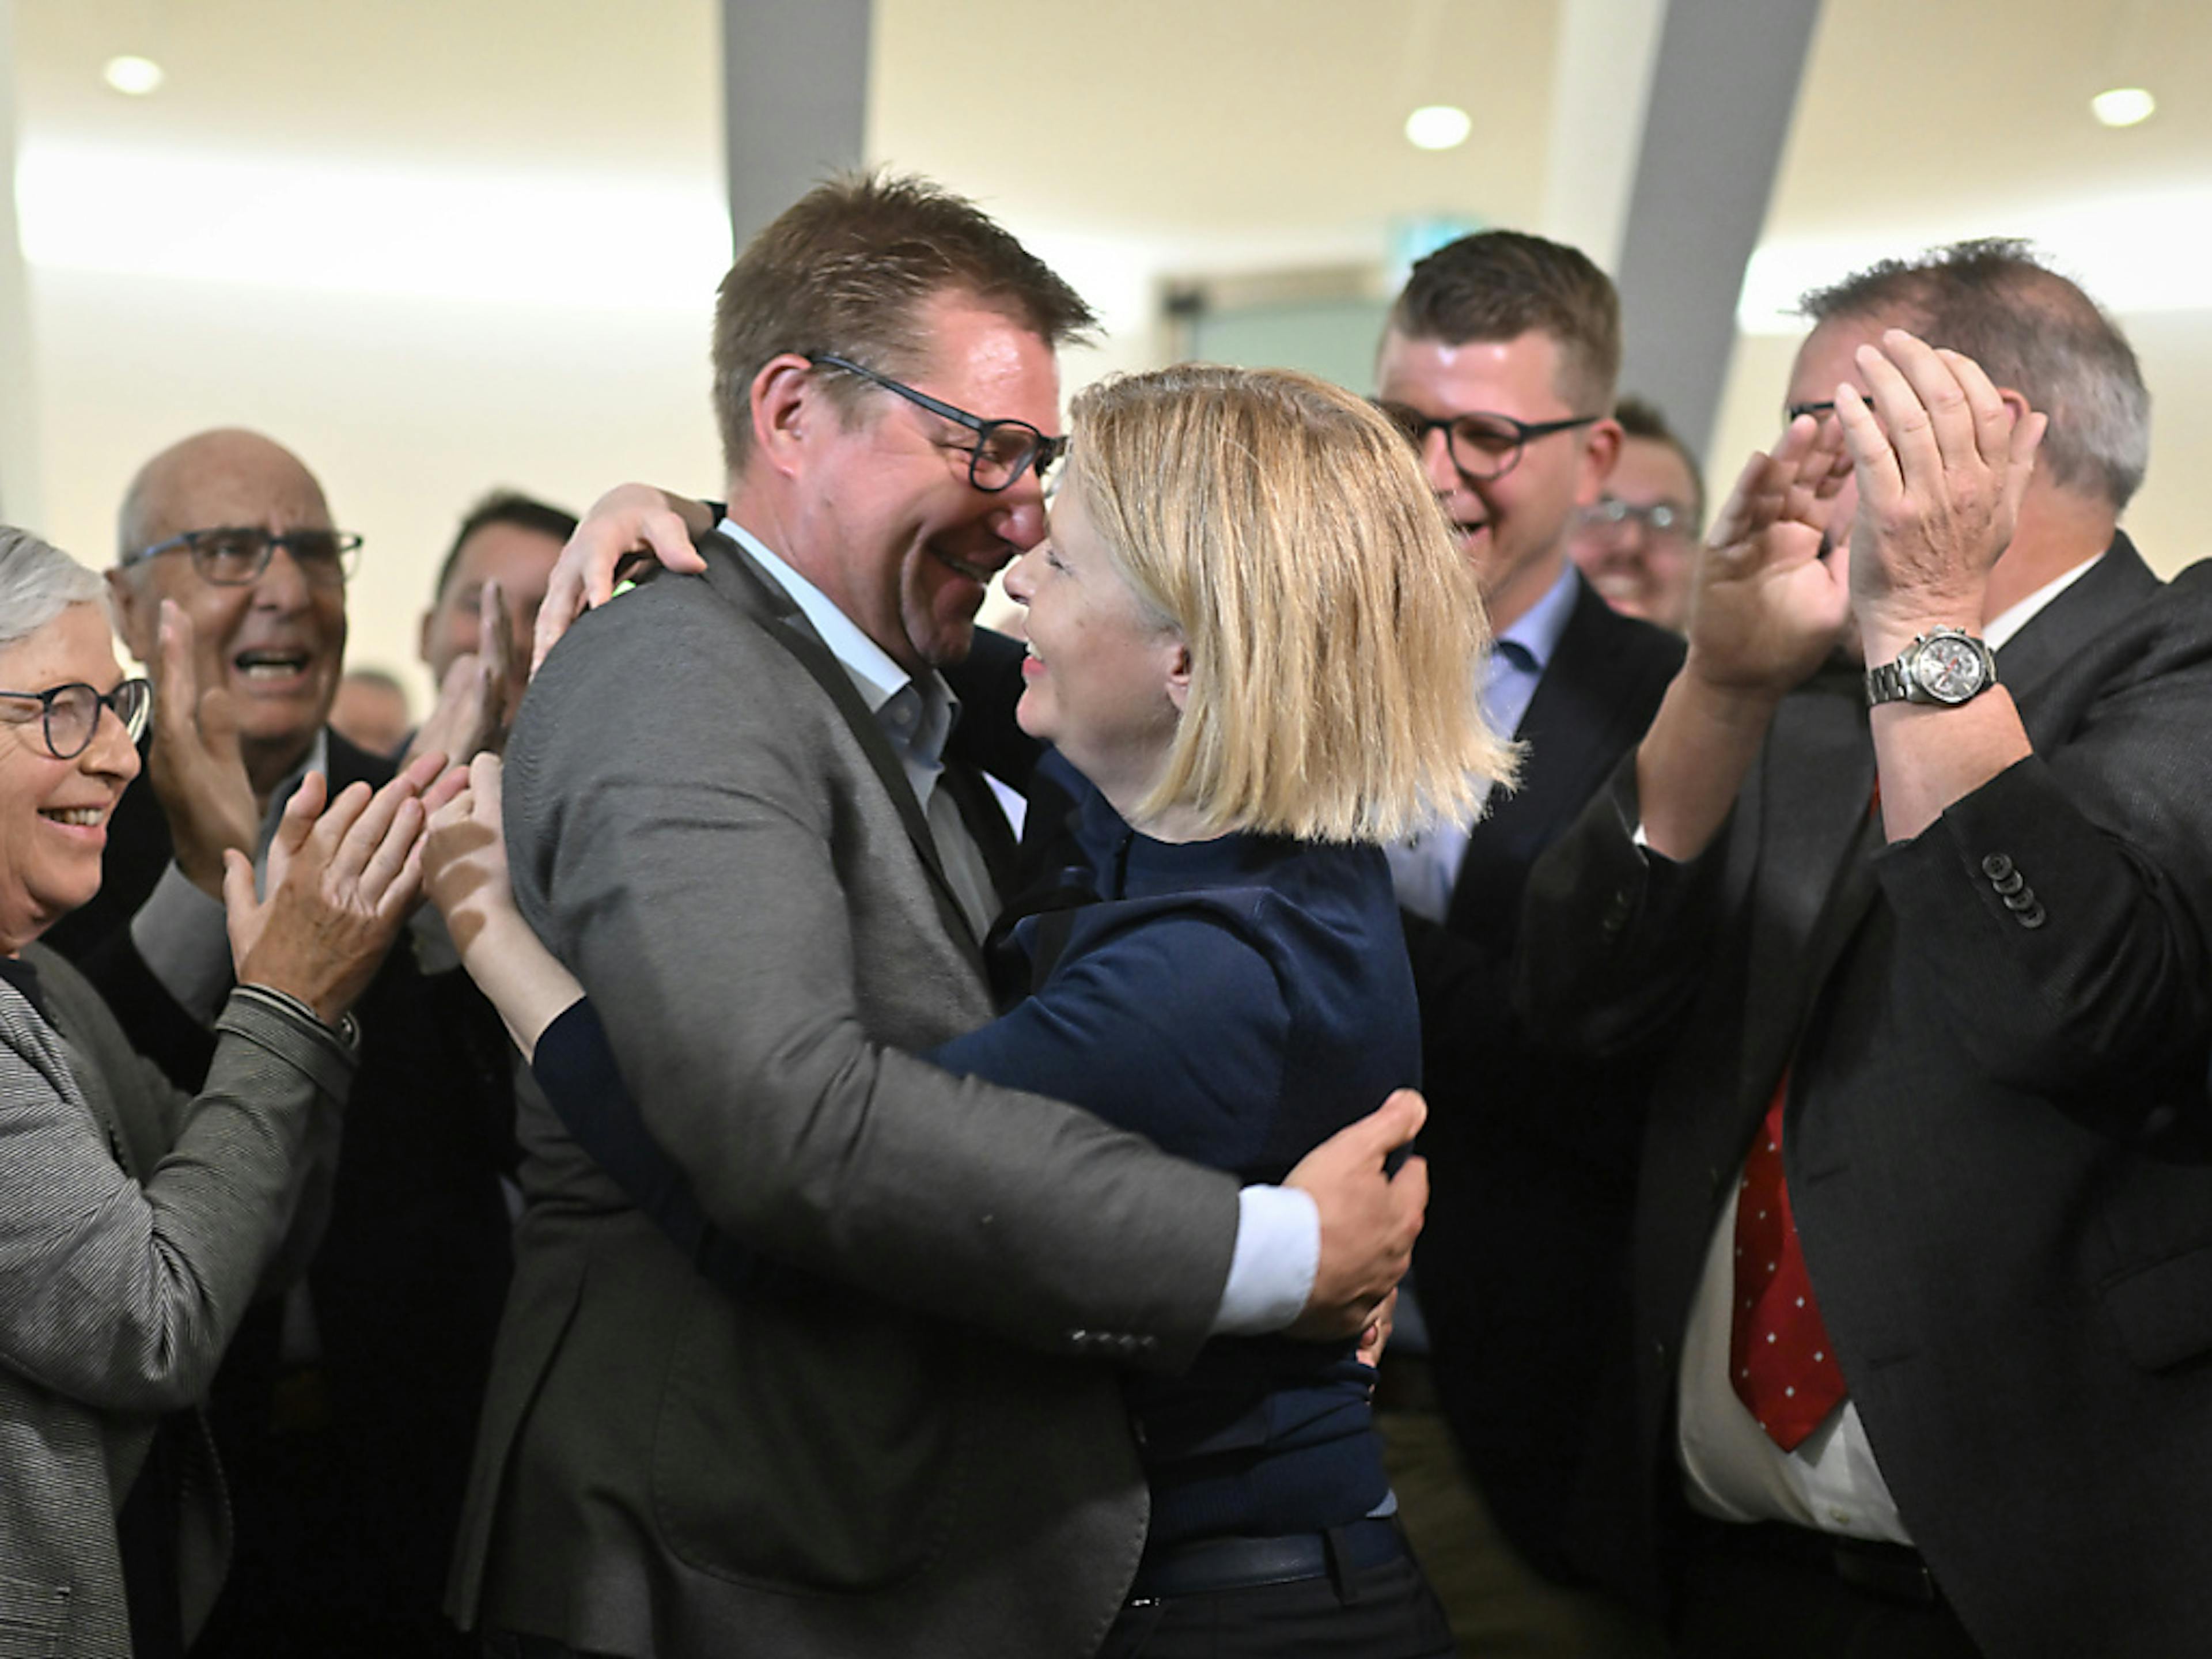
(1532,1153)
(899,1441)
(406,1286)
(1998,1141)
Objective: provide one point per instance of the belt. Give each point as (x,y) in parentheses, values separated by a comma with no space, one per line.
(1207,1565)
(1893,1571)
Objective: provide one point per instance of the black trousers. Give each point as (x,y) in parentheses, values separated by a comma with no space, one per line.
(1385,1611)
(1741,1601)
(511,1644)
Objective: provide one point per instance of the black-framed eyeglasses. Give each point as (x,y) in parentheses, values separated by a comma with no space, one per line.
(1003,450)
(1483,446)
(70,714)
(1660,519)
(236,555)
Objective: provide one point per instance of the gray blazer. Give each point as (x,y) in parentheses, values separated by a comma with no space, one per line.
(135,1225)
(898,1441)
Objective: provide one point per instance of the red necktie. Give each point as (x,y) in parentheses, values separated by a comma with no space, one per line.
(1780,1359)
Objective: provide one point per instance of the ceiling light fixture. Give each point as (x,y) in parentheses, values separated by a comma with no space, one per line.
(1438,126)
(132,76)
(2122,106)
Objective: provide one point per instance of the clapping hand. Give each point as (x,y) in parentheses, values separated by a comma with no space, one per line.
(482,689)
(195,760)
(340,883)
(1942,474)
(465,854)
(1770,600)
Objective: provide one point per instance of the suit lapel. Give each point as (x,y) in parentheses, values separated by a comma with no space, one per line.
(1576,725)
(1815,799)
(743,583)
(2112,588)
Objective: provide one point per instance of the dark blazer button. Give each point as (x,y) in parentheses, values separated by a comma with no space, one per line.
(2009,885)
(2023,900)
(2031,917)
(1996,866)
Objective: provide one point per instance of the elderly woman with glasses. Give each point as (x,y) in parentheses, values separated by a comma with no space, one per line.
(136,1225)
(1250,642)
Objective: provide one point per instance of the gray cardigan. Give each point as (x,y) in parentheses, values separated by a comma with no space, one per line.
(136,1225)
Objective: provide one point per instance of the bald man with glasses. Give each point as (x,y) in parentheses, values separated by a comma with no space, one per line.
(344,1413)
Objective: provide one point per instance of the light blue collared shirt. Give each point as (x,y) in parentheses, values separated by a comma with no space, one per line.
(1425,867)
(1278,1251)
(916,716)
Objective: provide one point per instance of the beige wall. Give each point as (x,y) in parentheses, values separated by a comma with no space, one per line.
(407,409)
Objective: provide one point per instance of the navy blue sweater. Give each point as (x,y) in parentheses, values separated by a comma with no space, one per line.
(1236,1001)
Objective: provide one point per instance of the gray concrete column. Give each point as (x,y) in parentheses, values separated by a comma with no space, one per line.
(1601,88)
(795,86)
(1724,89)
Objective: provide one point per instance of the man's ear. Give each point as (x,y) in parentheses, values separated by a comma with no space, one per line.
(1600,451)
(422,635)
(1179,676)
(786,404)
(137,614)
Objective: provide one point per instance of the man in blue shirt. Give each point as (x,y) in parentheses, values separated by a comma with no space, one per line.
(1499,359)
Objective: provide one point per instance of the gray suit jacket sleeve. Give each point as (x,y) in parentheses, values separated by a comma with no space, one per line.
(694,831)
(120,1295)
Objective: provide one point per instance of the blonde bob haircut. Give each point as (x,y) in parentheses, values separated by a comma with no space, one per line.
(1284,528)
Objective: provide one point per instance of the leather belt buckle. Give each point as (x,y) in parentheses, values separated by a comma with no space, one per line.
(1208,1566)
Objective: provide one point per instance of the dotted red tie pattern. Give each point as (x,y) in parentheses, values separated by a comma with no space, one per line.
(1780,1359)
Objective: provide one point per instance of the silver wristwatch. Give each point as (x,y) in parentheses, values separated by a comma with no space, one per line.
(1945,665)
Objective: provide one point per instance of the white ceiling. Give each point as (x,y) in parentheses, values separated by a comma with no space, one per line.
(1274,123)
(1126,136)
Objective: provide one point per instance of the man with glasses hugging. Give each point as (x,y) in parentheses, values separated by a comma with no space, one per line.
(734,819)
(344,1413)
(1499,360)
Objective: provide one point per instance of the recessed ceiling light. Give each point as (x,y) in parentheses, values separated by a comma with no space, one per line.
(2122,106)
(134,75)
(1438,126)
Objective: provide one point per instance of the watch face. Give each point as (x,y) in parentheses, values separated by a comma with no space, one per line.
(1949,671)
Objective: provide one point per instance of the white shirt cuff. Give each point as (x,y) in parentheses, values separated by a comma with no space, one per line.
(1271,1273)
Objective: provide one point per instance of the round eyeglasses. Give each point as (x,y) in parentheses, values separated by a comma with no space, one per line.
(1483,446)
(1003,450)
(1662,520)
(236,555)
(70,714)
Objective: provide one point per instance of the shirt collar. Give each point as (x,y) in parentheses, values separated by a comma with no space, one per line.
(1536,632)
(2012,621)
(917,715)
